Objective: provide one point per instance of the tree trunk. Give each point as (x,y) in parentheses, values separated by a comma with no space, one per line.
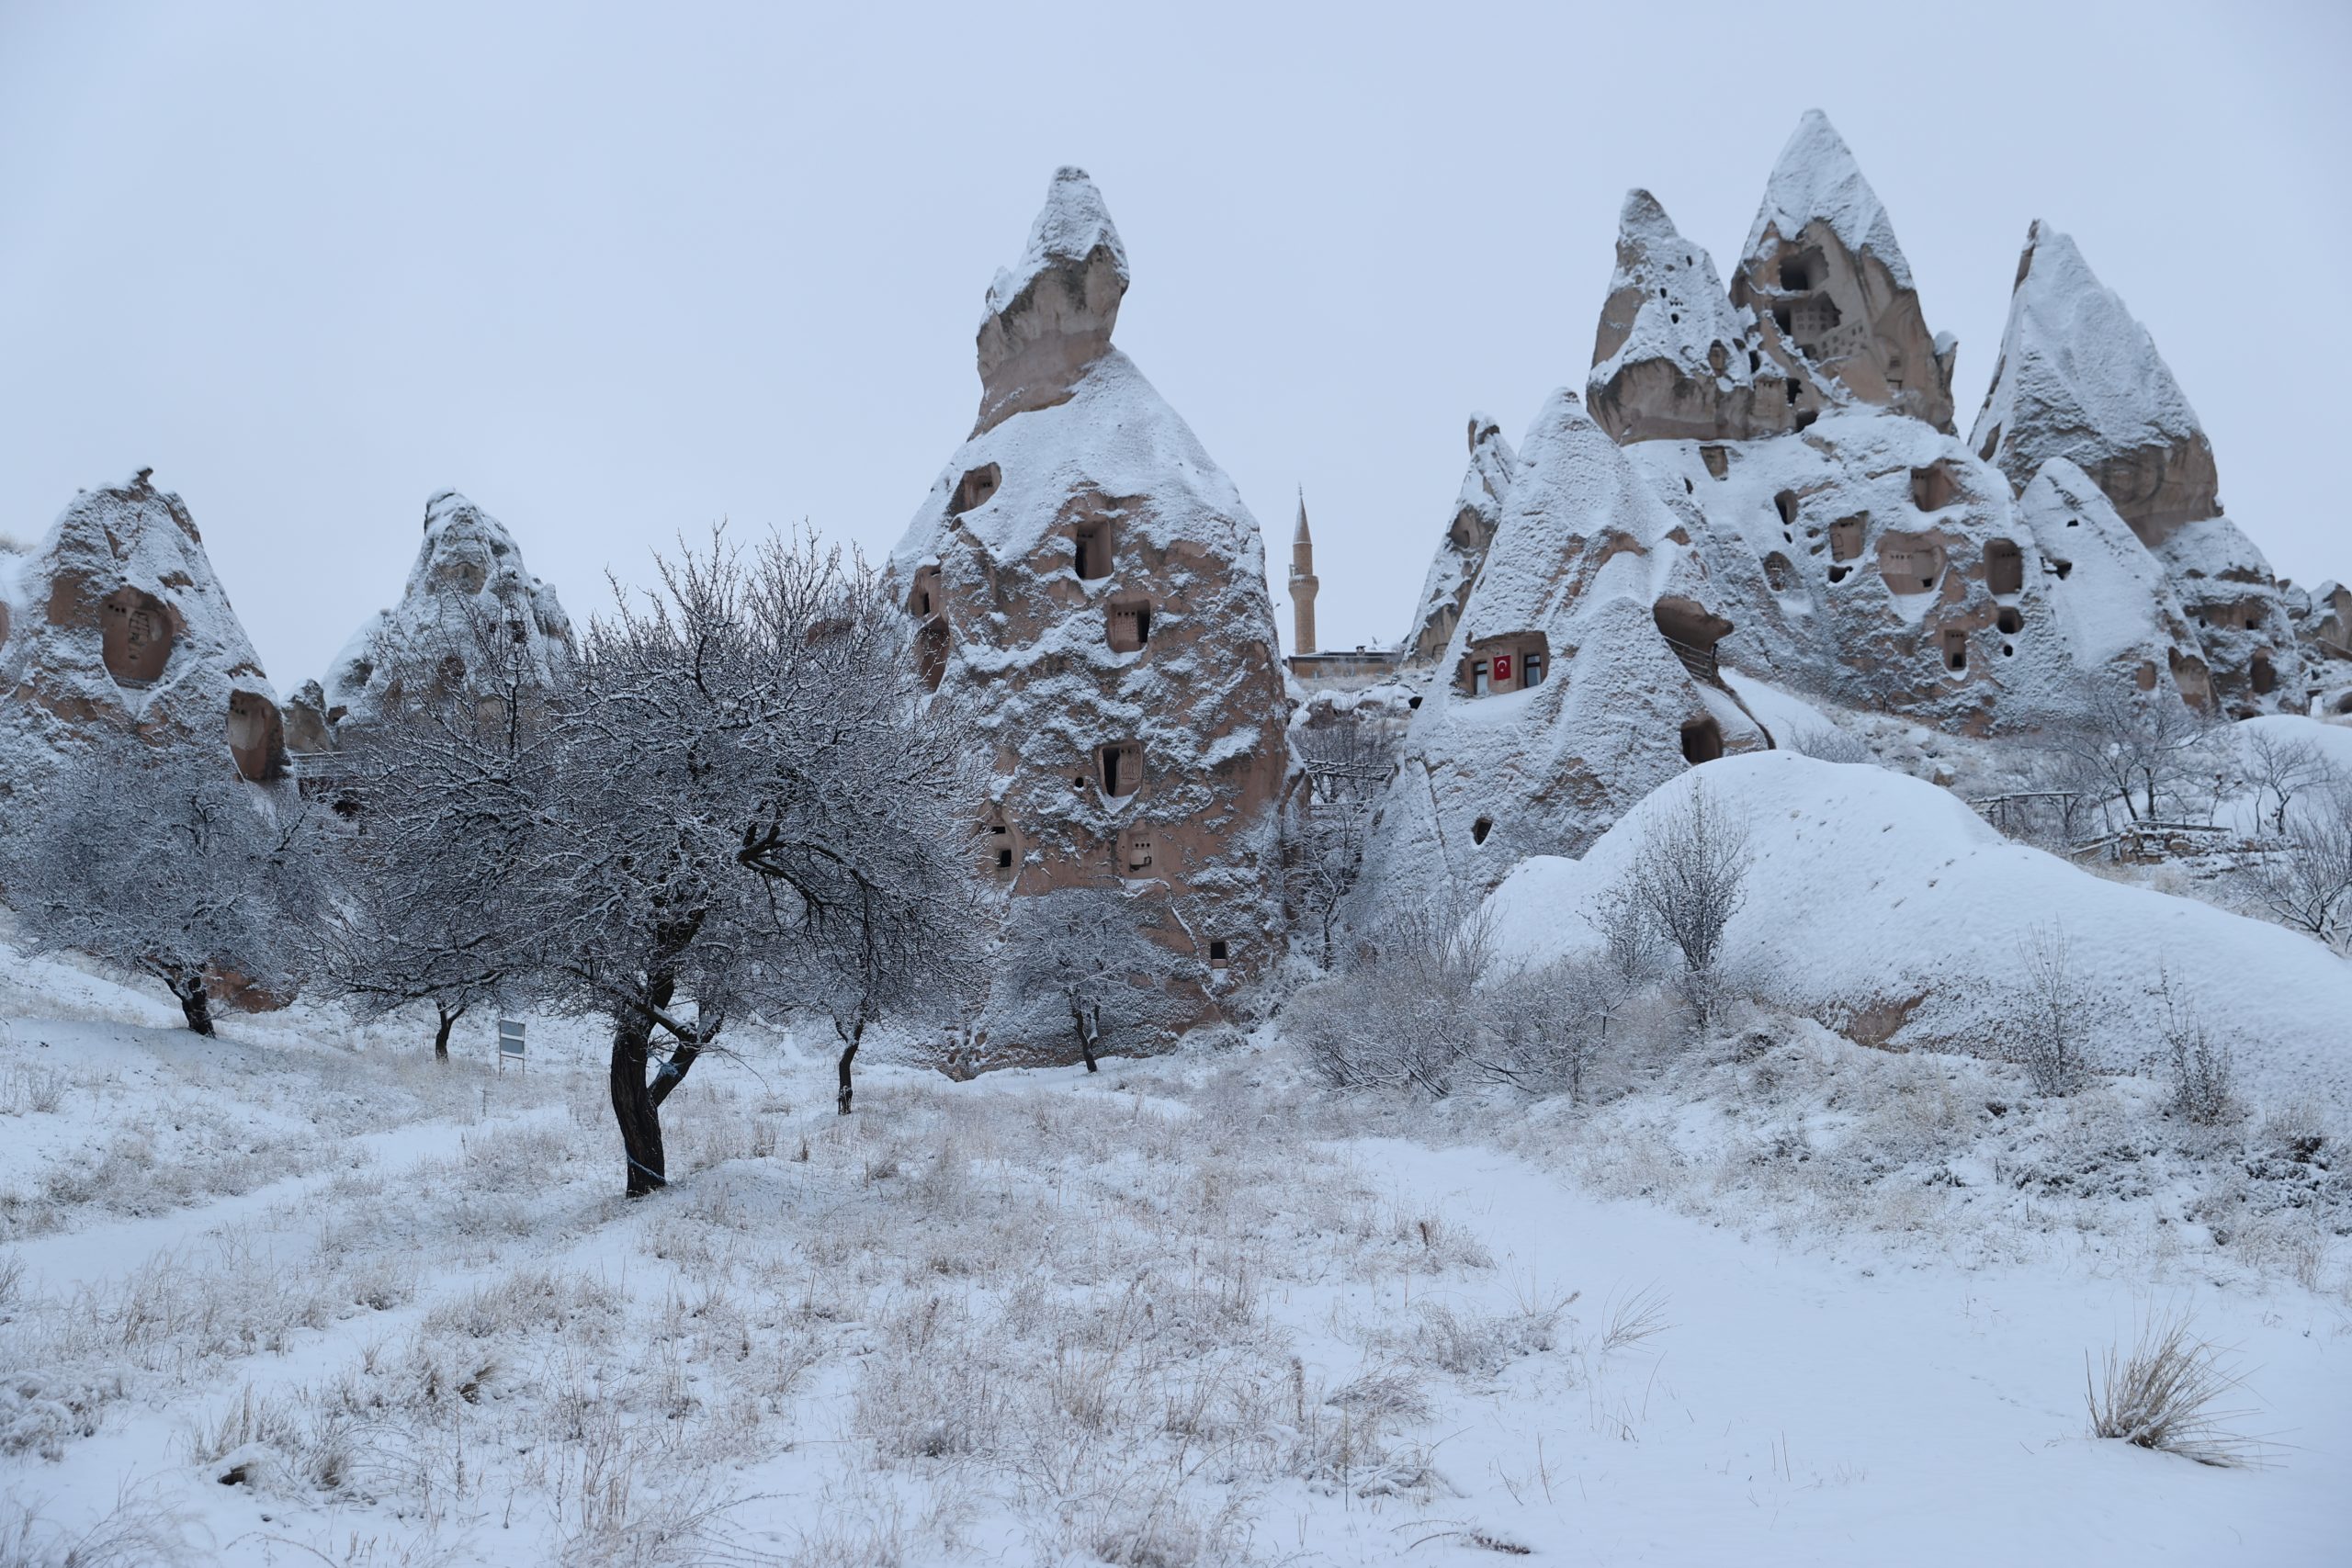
(195,1006)
(634,1106)
(1090,1030)
(849,1055)
(441,1035)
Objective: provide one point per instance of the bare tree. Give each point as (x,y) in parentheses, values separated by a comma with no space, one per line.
(2049,1038)
(157,859)
(1346,763)
(430,909)
(2140,749)
(2284,766)
(2305,881)
(1687,879)
(1088,957)
(728,804)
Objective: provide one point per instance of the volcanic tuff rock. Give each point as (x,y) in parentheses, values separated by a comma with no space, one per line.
(116,618)
(1050,318)
(2080,378)
(1563,696)
(1088,585)
(1831,291)
(469,599)
(1462,552)
(1674,356)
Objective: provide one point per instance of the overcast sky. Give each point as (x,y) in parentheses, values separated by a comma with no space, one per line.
(616,274)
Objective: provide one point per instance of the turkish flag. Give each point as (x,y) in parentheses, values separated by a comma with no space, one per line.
(1502,667)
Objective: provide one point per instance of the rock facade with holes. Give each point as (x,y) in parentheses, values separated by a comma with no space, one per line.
(116,619)
(1579,676)
(2080,378)
(1830,292)
(470,614)
(1090,589)
(1674,358)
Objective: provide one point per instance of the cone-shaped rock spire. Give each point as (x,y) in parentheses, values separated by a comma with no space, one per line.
(1674,358)
(1830,288)
(2080,378)
(1050,316)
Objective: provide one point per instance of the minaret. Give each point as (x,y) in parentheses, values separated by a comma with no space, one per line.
(1303,581)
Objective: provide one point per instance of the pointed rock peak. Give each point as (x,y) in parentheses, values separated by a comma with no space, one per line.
(2080,378)
(1485,428)
(1817,179)
(1070,227)
(1050,318)
(1674,358)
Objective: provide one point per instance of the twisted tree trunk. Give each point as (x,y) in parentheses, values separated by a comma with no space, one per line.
(195,1006)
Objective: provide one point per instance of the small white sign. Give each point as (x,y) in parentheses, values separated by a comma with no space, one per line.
(510,1036)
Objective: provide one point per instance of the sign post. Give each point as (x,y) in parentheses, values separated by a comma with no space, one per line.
(510,1042)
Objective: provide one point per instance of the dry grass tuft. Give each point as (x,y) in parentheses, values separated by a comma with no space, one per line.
(2162,1395)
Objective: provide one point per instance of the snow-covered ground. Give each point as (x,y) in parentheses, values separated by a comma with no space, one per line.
(1781,1300)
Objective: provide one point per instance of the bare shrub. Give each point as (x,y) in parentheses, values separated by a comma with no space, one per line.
(1550,1023)
(2047,1037)
(1633,1318)
(137,1532)
(1827,743)
(2162,1395)
(2304,881)
(2282,766)
(2203,1069)
(1407,1017)
(1688,878)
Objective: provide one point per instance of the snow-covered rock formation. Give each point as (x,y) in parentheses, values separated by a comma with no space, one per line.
(1831,291)
(1579,677)
(116,618)
(1674,357)
(1089,586)
(1884,905)
(2080,378)
(1462,551)
(469,599)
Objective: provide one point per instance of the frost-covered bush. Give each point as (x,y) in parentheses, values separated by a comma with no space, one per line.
(2049,1030)
(2204,1070)
(1408,1017)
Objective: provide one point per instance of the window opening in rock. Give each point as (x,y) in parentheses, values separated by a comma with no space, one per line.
(1839,573)
(1931,487)
(930,652)
(134,637)
(1412,701)
(1755,361)
(1702,742)
(1137,856)
(1531,669)
(2006,649)
(1780,320)
(1122,767)
(1477,677)
(1955,649)
(975,489)
(1785,503)
(1846,538)
(256,735)
(923,599)
(1778,572)
(1909,562)
(1480,829)
(2003,567)
(1219,954)
(2008,622)
(1718,461)
(1794,278)
(2059,568)
(1004,860)
(2262,676)
(1130,623)
(1092,545)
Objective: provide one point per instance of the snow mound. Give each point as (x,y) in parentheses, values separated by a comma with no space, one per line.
(1884,904)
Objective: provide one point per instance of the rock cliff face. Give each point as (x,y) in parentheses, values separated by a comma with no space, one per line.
(1462,552)
(1578,678)
(469,599)
(117,619)
(1830,289)
(2079,378)
(1088,585)
(1674,357)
